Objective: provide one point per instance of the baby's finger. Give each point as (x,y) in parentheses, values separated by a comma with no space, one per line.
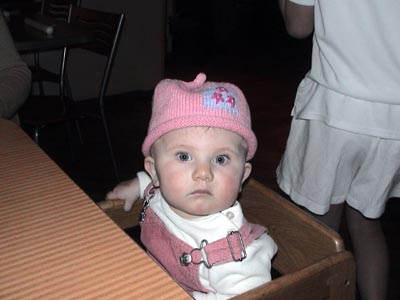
(128,204)
(111,195)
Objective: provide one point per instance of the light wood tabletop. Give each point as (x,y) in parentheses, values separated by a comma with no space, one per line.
(55,243)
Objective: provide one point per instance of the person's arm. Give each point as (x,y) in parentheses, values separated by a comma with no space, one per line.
(298,17)
(15,76)
(130,190)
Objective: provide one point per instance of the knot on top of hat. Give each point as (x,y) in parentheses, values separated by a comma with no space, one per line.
(198,81)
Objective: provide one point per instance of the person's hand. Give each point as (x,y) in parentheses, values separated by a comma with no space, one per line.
(129,191)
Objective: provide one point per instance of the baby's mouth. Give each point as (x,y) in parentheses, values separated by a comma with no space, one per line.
(200,192)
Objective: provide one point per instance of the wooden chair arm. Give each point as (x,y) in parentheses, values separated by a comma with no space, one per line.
(115,210)
(331,278)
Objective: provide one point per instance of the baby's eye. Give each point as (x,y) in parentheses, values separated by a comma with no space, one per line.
(221,159)
(183,156)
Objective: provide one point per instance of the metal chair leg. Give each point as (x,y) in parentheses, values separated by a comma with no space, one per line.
(70,140)
(36,135)
(109,144)
(79,131)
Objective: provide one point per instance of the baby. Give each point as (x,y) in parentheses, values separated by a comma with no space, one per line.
(196,153)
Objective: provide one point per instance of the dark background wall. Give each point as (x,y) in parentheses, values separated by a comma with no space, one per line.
(160,32)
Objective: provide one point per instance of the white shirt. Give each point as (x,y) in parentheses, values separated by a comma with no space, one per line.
(354,82)
(226,280)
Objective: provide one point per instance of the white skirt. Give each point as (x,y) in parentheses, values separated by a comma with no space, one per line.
(323,165)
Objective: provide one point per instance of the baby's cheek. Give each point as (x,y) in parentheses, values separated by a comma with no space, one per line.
(179,179)
(172,185)
(232,180)
(230,187)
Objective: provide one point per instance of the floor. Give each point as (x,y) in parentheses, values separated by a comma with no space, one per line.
(267,71)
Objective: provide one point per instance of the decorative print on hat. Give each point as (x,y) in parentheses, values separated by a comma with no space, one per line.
(220,98)
(179,104)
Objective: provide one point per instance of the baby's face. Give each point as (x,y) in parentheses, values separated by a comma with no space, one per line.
(200,170)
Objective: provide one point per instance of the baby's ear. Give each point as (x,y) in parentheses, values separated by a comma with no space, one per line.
(150,167)
(247,171)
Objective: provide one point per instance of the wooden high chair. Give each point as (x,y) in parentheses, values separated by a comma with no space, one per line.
(311,258)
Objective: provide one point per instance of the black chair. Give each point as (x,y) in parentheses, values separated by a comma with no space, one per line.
(40,111)
(59,10)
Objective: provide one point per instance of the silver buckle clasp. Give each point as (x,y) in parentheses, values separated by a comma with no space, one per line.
(243,253)
(149,193)
(187,258)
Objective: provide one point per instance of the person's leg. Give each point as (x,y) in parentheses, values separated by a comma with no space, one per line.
(333,217)
(370,253)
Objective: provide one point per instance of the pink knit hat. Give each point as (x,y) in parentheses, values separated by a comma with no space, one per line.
(178,104)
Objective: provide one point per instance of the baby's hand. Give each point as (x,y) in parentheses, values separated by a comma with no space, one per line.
(129,191)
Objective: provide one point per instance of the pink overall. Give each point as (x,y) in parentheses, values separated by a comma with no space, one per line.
(182,261)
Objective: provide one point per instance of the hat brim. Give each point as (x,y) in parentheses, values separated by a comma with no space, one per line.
(204,121)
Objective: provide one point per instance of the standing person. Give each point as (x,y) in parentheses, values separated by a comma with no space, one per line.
(343,151)
(196,153)
(15,76)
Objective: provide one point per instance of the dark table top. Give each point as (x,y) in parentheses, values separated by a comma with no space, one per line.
(29,39)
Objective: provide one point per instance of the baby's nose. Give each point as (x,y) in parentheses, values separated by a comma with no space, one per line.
(204,172)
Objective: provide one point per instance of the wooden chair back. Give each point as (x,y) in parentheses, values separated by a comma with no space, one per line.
(302,240)
(311,259)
